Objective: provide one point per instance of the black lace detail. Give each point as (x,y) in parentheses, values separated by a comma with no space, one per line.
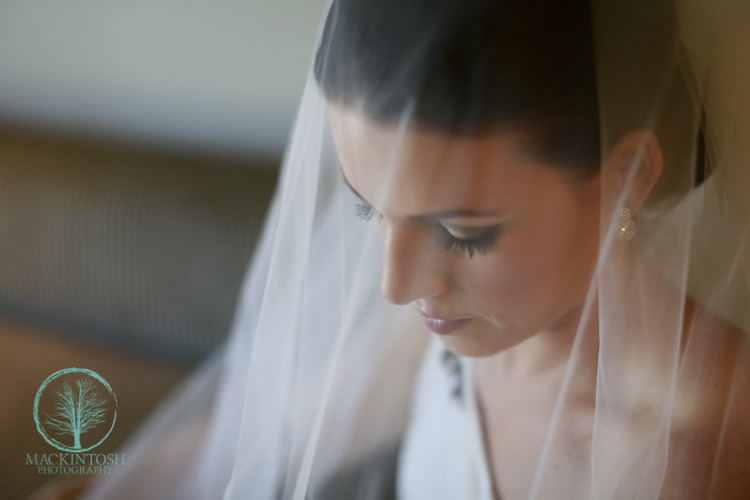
(454,367)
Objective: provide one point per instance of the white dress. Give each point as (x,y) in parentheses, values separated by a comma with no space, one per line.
(443,455)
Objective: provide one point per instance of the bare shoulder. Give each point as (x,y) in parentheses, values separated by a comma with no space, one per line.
(710,442)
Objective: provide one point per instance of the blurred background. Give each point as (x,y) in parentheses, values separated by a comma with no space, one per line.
(139,147)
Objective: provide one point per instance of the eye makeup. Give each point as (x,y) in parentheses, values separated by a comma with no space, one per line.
(482,239)
(366,212)
(457,239)
(458,231)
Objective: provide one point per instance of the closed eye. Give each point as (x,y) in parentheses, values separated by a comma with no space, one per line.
(481,241)
(366,212)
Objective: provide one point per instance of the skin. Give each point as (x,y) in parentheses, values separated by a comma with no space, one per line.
(525,294)
(534,279)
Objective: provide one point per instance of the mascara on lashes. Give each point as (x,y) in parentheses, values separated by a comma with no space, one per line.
(481,244)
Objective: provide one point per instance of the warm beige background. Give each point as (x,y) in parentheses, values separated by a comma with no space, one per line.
(27,357)
(138,142)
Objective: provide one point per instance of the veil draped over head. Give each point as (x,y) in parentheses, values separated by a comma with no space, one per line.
(490,145)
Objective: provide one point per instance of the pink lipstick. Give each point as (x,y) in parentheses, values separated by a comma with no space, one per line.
(444,326)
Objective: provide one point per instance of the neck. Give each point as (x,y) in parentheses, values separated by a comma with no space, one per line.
(546,354)
(517,392)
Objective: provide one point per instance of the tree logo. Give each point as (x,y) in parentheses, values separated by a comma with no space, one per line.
(75,410)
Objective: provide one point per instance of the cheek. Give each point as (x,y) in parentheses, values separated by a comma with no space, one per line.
(566,257)
(552,264)
(505,282)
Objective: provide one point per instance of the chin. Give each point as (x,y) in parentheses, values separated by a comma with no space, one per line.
(470,347)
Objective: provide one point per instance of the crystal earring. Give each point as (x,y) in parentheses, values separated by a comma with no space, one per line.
(625,225)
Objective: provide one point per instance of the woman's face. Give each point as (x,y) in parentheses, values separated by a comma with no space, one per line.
(489,244)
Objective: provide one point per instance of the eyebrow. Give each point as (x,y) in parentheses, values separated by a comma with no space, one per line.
(446,214)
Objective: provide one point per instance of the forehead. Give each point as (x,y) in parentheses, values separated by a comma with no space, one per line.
(411,171)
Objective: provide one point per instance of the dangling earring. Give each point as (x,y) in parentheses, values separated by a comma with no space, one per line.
(625,225)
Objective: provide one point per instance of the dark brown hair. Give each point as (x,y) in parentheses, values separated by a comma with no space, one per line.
(478,66)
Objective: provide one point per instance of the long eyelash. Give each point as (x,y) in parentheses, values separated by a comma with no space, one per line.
(481,244)
(366,212)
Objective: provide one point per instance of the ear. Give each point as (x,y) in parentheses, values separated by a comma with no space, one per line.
(631,170)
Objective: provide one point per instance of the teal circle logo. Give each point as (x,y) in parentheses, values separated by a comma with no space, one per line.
(75,410)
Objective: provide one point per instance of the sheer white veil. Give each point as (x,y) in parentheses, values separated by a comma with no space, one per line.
(312,394)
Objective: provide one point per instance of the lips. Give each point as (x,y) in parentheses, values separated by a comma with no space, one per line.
(444,326)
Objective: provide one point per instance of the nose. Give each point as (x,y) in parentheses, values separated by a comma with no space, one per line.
(411,264)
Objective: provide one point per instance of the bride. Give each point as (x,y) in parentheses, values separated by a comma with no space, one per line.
(557,190)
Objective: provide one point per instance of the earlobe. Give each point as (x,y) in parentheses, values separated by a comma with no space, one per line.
(631,169)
